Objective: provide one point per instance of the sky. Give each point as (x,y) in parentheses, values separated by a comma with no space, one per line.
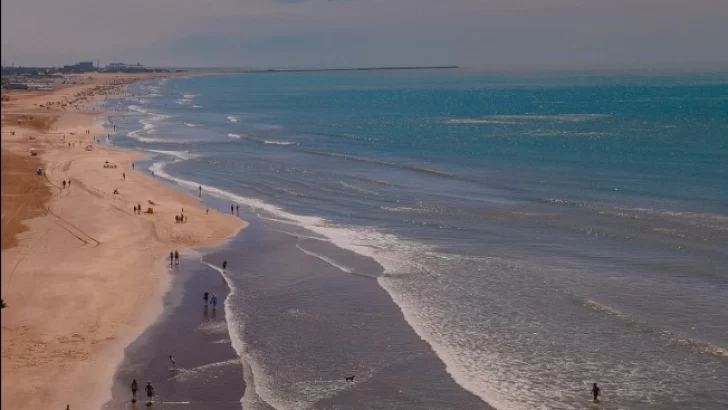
(356,33)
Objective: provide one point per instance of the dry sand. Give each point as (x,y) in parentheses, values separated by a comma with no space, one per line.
(87,275)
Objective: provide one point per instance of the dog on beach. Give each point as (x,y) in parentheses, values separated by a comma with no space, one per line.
(350,379)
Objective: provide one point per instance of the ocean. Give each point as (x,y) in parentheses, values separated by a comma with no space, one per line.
(460,239)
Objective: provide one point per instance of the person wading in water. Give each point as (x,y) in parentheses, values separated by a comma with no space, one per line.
(596,391)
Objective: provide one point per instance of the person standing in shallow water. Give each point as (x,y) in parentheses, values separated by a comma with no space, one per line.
(173,363)
(214,301)
(205,297)
(224,265)
(150,391)
(232,209)
(596,391)
(171,258)
(134,389)
(176,258)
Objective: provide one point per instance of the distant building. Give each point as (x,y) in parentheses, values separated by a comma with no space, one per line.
(124,67)
(80,67)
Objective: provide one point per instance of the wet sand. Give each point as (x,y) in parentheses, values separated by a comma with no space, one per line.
(208,372)
(307,325)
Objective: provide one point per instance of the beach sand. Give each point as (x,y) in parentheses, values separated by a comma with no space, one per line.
(82,275)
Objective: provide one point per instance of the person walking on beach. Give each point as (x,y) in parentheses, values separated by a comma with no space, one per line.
(64,184)
(205,297)
(69,183)
(123,175)
(132,165)
(176,258)
(200,191)
(134,389)
(596,391)
(150,391)
(224,265)
(207,211)
(171,258)
(214,301)
(237,209)
(232,208)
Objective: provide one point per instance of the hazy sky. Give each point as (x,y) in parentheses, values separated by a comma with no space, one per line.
(305,33)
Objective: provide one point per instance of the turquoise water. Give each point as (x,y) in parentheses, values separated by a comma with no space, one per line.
(539,232)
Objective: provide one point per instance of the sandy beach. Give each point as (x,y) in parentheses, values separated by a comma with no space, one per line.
(82,273)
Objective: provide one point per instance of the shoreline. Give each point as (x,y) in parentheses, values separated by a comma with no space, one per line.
(205,353)
(86,352)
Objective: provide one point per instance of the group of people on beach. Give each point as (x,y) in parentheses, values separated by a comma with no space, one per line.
(64,183)
(138,209)
(149,390)
(210,300)
(173,258)
(235,209)
(180,219)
